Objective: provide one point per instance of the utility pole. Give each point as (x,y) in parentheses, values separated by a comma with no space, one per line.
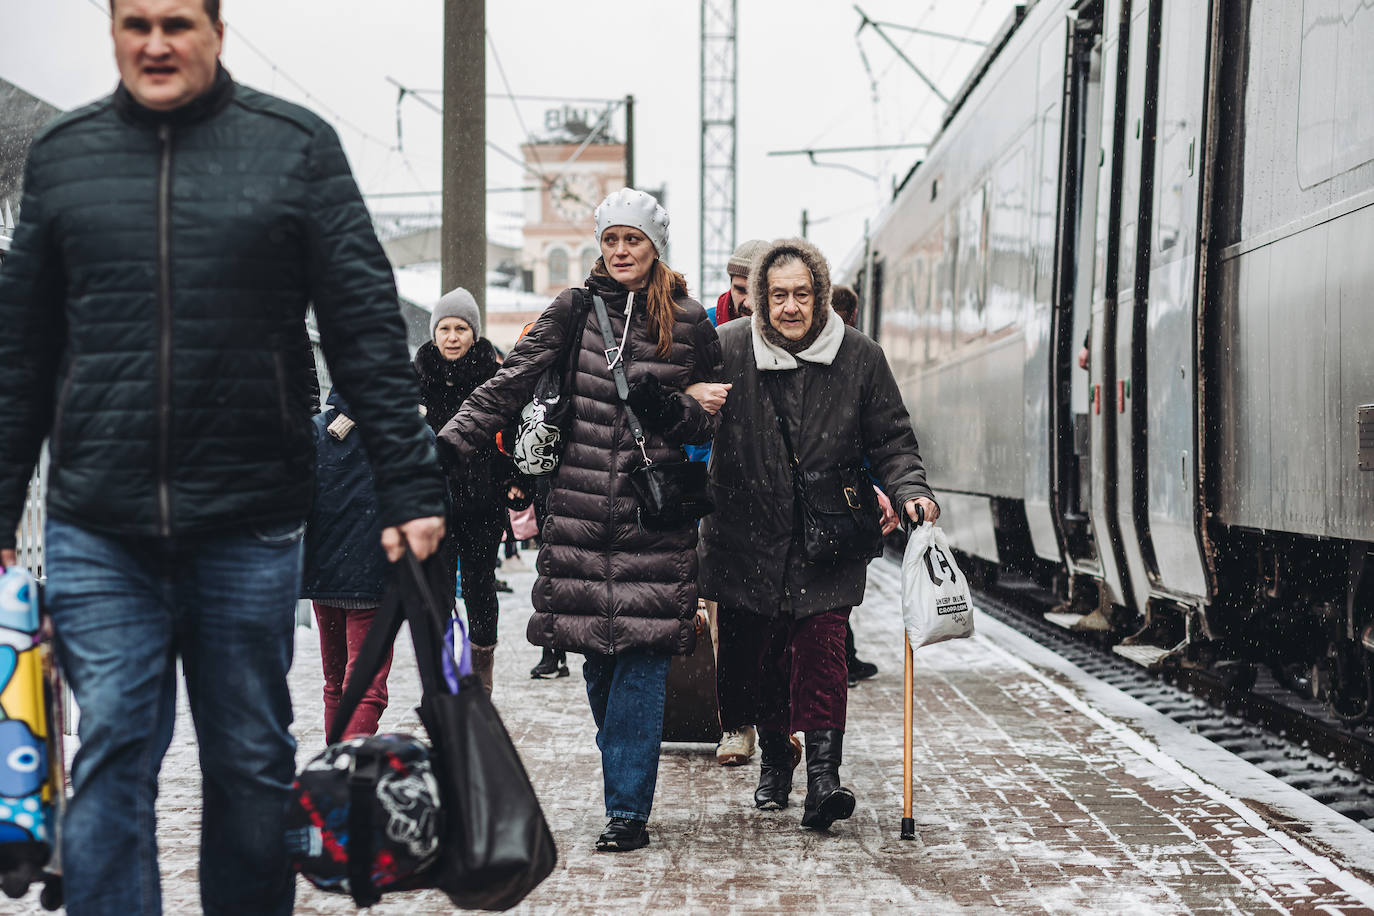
(629,141)
(463,236)
(806,223)
(719,64)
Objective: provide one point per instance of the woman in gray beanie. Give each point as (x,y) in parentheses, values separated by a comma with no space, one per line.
(450,366)
(620,593)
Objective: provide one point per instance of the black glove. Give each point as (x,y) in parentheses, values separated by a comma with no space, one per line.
(450,462)
(658,408)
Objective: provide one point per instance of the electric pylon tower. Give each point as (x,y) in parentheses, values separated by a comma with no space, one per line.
(719,65)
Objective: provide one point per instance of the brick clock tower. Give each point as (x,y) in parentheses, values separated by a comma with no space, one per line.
(559,234)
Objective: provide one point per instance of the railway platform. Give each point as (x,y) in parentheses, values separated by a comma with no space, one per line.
(1039,790)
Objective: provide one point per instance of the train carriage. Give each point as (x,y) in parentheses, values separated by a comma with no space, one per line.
(1184,188)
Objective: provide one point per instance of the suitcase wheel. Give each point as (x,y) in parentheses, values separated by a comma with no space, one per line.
(50,898)
(14,886)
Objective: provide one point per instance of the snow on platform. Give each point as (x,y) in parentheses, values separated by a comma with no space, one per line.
(1039,790)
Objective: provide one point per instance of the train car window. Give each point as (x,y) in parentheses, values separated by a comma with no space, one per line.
(1007,233)
(1178,130)
(1046,206)
(973,262)
(921,293)
(949,249)
(1133,138)
(1335,107)
(897,320)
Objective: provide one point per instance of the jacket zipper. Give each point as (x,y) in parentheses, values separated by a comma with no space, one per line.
(164,303)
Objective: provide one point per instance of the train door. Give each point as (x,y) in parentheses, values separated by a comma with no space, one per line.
(1139,41)
(1172,339)
(1041,414)
(1076,399)
(1109,488)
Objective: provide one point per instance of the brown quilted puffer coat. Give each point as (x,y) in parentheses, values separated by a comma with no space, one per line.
(605,584)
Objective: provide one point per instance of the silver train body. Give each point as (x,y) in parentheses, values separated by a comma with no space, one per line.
(1187,186)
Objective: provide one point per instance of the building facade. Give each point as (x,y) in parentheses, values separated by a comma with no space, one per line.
(571,174)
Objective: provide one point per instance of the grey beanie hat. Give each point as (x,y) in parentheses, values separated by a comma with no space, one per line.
(457,304)
(743,257)
(628,207)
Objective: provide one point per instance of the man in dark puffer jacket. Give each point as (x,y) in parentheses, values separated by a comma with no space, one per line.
(170,239)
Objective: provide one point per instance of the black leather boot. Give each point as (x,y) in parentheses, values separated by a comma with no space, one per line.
(775,771)
(826,800)
(552,663)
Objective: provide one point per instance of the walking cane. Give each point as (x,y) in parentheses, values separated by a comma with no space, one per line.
(908,822)
(908,690)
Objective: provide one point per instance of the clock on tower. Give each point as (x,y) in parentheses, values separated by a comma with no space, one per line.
(574,197)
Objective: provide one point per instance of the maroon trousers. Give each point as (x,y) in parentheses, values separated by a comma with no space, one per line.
(782,674)
(341,636)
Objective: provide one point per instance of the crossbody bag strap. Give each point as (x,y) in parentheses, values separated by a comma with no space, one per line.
(615,360)
(572,337)
(792,463)
(770,385)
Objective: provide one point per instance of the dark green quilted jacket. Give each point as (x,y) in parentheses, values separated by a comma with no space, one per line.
(152,314)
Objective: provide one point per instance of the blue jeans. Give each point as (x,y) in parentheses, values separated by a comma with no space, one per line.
(626,694)
(124,610)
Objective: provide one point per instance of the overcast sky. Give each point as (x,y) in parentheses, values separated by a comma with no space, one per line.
(802,84)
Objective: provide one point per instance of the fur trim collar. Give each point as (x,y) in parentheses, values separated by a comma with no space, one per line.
(768,356)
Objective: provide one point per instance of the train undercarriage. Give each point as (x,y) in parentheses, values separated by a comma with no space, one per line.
(1299,609)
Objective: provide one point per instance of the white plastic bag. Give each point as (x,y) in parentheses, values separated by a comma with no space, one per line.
(935,598)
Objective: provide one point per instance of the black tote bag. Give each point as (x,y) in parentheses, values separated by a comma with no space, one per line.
(495,846)
(498,846)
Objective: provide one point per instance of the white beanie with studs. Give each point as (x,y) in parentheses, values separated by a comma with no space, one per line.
(628,207)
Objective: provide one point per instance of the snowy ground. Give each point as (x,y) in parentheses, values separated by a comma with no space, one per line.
(1039,790)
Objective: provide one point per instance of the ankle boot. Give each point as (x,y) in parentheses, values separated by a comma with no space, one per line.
(552,663)
(826,800)
(775,771)
(483,658)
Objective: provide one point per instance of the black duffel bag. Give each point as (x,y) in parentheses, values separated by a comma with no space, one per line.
(494,844)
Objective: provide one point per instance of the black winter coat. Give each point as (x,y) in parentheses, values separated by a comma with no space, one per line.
(479,485)
(154,304)
(605,583)
(837,415)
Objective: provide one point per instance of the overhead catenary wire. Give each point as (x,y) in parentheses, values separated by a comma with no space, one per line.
(533,169)
(515,106)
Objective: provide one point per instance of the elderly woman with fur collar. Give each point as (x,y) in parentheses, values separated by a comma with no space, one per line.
(782,618)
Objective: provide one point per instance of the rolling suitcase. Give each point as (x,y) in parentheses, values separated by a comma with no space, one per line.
(33,779)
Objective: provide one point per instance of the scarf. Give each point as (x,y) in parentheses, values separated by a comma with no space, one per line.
(819,345)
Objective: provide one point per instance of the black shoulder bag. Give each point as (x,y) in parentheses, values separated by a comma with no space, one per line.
(836,509)
(671,494)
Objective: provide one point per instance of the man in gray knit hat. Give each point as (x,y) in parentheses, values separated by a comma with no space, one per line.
(734,302)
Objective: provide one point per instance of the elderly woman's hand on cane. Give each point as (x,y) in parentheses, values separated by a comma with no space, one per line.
(927,506)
